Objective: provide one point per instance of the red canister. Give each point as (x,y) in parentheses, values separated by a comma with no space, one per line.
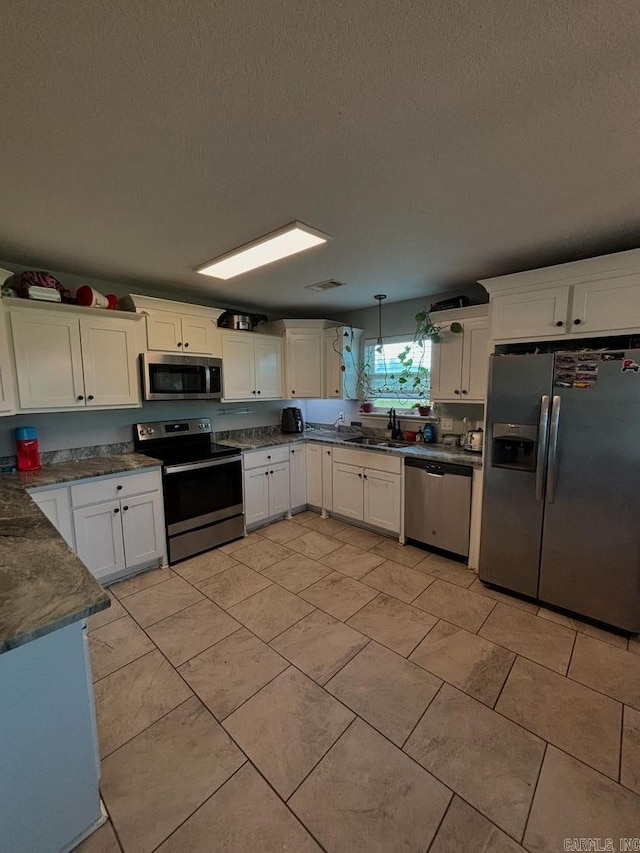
(27,452)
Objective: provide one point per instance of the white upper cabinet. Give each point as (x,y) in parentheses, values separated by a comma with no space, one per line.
(70,359)
(530,315)
(267,351)
(251,366)
(164,331)
(48,360)
(304,362)
(593,297)
(178,326)
(341,356)
(7,376)
(110,348)
(238,366)
(316,362)
(606,305)
(460,361)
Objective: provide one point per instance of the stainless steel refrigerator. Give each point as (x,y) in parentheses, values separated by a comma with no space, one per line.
(561,502)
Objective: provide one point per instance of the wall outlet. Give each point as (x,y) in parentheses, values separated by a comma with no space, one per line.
(446,424)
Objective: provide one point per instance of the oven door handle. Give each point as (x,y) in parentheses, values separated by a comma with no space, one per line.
(194,466)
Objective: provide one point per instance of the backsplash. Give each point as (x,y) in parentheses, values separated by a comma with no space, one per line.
(58,431)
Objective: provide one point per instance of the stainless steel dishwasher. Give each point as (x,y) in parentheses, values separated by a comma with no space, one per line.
(437,505)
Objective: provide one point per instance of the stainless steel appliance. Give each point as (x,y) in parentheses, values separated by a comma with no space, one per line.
(239,321)
(180,377)
(561,502)
(473,440)
(202,485)
(437,506)
(292,420)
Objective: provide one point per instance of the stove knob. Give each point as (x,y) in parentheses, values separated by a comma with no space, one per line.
(142,431)
(150,431)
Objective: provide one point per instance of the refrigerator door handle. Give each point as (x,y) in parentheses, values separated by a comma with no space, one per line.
(543,439)
(553,449)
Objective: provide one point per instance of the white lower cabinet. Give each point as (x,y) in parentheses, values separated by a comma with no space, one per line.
(99,539)
(120,534)
(266,488)
(382,500)
(298,475)
(56,505)
(363,494)
(314,475)
(348,491)
(142,528)
(113,523)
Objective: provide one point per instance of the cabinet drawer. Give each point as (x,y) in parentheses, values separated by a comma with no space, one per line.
(118,486)
(269,456)
(368,459)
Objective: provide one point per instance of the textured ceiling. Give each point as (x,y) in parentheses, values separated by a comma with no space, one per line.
(438,141)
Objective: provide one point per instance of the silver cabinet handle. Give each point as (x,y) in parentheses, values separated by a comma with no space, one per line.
(543,440)
(553,450)
(194,466)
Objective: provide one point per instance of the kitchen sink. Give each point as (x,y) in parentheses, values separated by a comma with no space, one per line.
(378,442)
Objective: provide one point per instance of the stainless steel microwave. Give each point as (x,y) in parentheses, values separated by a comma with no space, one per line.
(180,377)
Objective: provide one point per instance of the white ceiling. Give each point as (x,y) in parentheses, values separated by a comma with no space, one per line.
(437,142)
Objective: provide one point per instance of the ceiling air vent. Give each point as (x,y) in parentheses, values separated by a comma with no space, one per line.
(325,285)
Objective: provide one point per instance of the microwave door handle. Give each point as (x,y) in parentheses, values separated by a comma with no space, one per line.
(207,379)
(543,441)
(552,475)
(195,466)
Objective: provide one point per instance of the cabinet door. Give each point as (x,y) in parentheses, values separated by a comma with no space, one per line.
(256,495)
(279,500)
(99,541)
(333,385)
(298,475)
(48,360)
(601,306)
(110,349)
(327,478)
(268,367)
(348,491)
(314,475)
(55,504)
(382,500)
(164,331)
(238,374)
(304,354)
(196,335)
(537,314)
(7,391)
(475,360)
(143,529)
(446,366)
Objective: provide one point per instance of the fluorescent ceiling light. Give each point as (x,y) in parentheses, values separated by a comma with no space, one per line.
(293,238)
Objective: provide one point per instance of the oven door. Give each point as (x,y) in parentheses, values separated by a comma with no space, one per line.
(201,493)
(167,377)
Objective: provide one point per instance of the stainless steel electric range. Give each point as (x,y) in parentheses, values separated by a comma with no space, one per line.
(202,484)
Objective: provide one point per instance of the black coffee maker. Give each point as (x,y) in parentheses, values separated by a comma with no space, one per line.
(292,420)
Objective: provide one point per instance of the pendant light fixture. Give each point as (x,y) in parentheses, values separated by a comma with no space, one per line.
(380,297)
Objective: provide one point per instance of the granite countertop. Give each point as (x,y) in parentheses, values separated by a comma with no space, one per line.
(43,584)
(328,436)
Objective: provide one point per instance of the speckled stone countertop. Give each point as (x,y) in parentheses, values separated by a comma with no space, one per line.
(43,584)
(256,439)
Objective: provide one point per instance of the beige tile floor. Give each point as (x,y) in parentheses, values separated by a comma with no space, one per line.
(315,686)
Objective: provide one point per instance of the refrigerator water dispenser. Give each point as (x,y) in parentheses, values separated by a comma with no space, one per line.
(514,446)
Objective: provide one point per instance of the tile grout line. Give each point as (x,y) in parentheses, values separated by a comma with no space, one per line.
(502,686)
(439,826)
(533,795)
